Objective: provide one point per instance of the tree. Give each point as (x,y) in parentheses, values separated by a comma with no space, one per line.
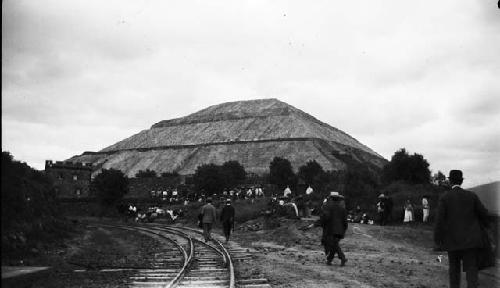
(30,213)
(413,169)
(146,174)
(359,185)
(208,177)
(281,173)
(172,174)
(27,195)
(233,173)
(310,172)
(439,178)
(110,186)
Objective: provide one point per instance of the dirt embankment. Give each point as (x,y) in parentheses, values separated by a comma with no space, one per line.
(89,250)
(389,256)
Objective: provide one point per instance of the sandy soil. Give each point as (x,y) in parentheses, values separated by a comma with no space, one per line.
(389,256)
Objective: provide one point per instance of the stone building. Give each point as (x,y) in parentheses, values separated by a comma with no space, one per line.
(71,180)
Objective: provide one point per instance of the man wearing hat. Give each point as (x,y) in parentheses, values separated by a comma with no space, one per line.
(381,209)
(208,218)
(334,222)
(460,214)
(227,219)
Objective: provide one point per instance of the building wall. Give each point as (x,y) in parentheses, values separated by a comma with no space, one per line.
(71,180)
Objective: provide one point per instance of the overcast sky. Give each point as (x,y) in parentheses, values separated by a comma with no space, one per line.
(81,75)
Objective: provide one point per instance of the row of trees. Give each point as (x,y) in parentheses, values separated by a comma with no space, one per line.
(111,185)
(152,173)
(358,181)
(211,178)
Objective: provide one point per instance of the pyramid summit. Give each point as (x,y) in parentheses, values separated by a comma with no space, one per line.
(251,132)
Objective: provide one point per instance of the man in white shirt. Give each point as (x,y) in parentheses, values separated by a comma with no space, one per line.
(309,190)
(287,192)
(425,209)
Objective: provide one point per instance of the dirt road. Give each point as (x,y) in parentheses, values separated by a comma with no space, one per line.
(389,256)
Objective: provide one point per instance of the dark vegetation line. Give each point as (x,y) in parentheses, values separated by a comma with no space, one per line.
(30,213)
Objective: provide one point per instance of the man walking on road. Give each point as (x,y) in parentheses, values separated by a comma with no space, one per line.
(459,217)
(227,219)
(208,218)
(334,222)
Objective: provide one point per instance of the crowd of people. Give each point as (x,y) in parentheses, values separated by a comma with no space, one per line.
(131,212)
(460,220)
(384,212)
(297,205)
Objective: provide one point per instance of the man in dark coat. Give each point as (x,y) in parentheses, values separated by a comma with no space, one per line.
(334,222)
(227,219)
(460,214)
(208,218)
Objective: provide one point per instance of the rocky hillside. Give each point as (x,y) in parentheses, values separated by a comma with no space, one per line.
(251,132)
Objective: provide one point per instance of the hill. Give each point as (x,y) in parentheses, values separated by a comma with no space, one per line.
(489,195)
(250,132)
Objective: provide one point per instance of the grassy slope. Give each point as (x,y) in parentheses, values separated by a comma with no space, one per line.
(489,195)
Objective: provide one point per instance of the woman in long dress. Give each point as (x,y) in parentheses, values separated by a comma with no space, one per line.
(408,212)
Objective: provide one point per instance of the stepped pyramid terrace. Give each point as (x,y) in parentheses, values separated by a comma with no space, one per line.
(250,132)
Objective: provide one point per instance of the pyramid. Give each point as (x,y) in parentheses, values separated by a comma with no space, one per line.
(250,132)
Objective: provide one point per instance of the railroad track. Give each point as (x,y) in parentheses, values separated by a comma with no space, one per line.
(169,264)
(232,252)
(210,265)
(186,262)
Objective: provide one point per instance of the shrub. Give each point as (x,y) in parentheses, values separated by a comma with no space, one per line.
(410,168)
(146,174)
(281,173)
(30,213)
(110,186)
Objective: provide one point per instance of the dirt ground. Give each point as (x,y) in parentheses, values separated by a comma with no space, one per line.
(90,249)
(388,256)
(289,255)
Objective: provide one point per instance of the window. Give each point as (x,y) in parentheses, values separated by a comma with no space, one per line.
(75,177)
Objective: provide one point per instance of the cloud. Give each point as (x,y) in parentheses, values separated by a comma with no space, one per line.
(390,74)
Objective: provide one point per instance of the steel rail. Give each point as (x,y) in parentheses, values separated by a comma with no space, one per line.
(174,282)
(227,257)
(177,230)
(187,258)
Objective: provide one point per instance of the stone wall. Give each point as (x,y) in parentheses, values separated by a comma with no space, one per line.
(71,180)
